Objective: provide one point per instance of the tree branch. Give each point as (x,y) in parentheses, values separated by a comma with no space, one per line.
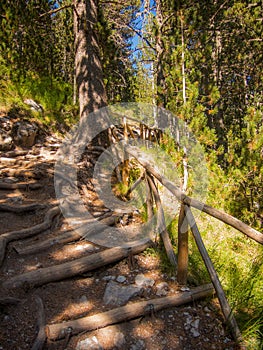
(51,12)
(141,36)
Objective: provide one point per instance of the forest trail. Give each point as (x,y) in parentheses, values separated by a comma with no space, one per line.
(28,203)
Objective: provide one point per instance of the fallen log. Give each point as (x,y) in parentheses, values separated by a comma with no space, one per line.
(226,309)
(41,324)
(21,208)
(74,268)
(218,214)
(20,186)
(127,312)
(6,238)
(63,238)
(161,223)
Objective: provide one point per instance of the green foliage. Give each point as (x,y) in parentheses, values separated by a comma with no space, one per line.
(54,96)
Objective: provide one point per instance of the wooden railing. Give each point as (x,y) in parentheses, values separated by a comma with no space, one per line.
(186,221)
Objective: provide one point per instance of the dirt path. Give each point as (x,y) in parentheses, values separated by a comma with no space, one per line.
(195,326)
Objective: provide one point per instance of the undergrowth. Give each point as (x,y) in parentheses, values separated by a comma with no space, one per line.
(237,259)
(54,96)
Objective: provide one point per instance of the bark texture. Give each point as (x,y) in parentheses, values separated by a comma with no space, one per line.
(88,69)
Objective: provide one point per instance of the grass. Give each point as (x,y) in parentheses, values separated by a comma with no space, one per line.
(238,262)
(54,96)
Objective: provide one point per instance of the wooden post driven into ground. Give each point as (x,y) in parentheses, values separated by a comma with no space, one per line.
(182,247)
(228,314)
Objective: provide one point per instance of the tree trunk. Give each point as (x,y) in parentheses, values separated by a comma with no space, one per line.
(89,78)
(161,83)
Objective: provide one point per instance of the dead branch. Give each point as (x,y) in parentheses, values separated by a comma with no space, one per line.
(161,223)
(127,312)
(74,268)
(52,12)
(224,217)
(136,184)
(228,314)
(41,324)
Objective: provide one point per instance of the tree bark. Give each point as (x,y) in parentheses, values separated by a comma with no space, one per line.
(88,69)
(161,83)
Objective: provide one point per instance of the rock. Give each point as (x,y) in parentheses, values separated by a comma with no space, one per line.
(83,299)
(195,323)
(34,105)
(6,143)
(143,281)
(117,295)
(195,333)
(24,133)
(108,278)
(89,343)
(162,289)
(121,279)
(139,345)
(111,337)
(206,309)
(192,325)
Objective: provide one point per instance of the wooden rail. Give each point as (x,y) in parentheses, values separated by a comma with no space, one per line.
(186,221)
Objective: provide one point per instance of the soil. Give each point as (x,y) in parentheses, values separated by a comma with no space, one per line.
(83,295)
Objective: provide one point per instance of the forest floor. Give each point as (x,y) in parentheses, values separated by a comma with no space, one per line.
(198,325)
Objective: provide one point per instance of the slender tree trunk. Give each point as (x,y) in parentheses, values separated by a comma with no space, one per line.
(161,84)
(89,78)
(183,60)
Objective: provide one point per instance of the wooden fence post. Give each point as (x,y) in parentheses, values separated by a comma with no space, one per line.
(227,312)
(182,268)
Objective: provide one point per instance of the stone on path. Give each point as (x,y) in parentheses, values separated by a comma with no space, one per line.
(143,281)
(117,295)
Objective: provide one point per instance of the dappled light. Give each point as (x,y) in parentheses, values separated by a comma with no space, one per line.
(131,225)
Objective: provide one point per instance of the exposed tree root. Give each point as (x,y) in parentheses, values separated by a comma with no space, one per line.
(41,324)
(27,232)
(21,208)
(62,238)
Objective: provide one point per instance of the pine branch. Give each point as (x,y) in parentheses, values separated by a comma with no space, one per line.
(51,12)
(141,36)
